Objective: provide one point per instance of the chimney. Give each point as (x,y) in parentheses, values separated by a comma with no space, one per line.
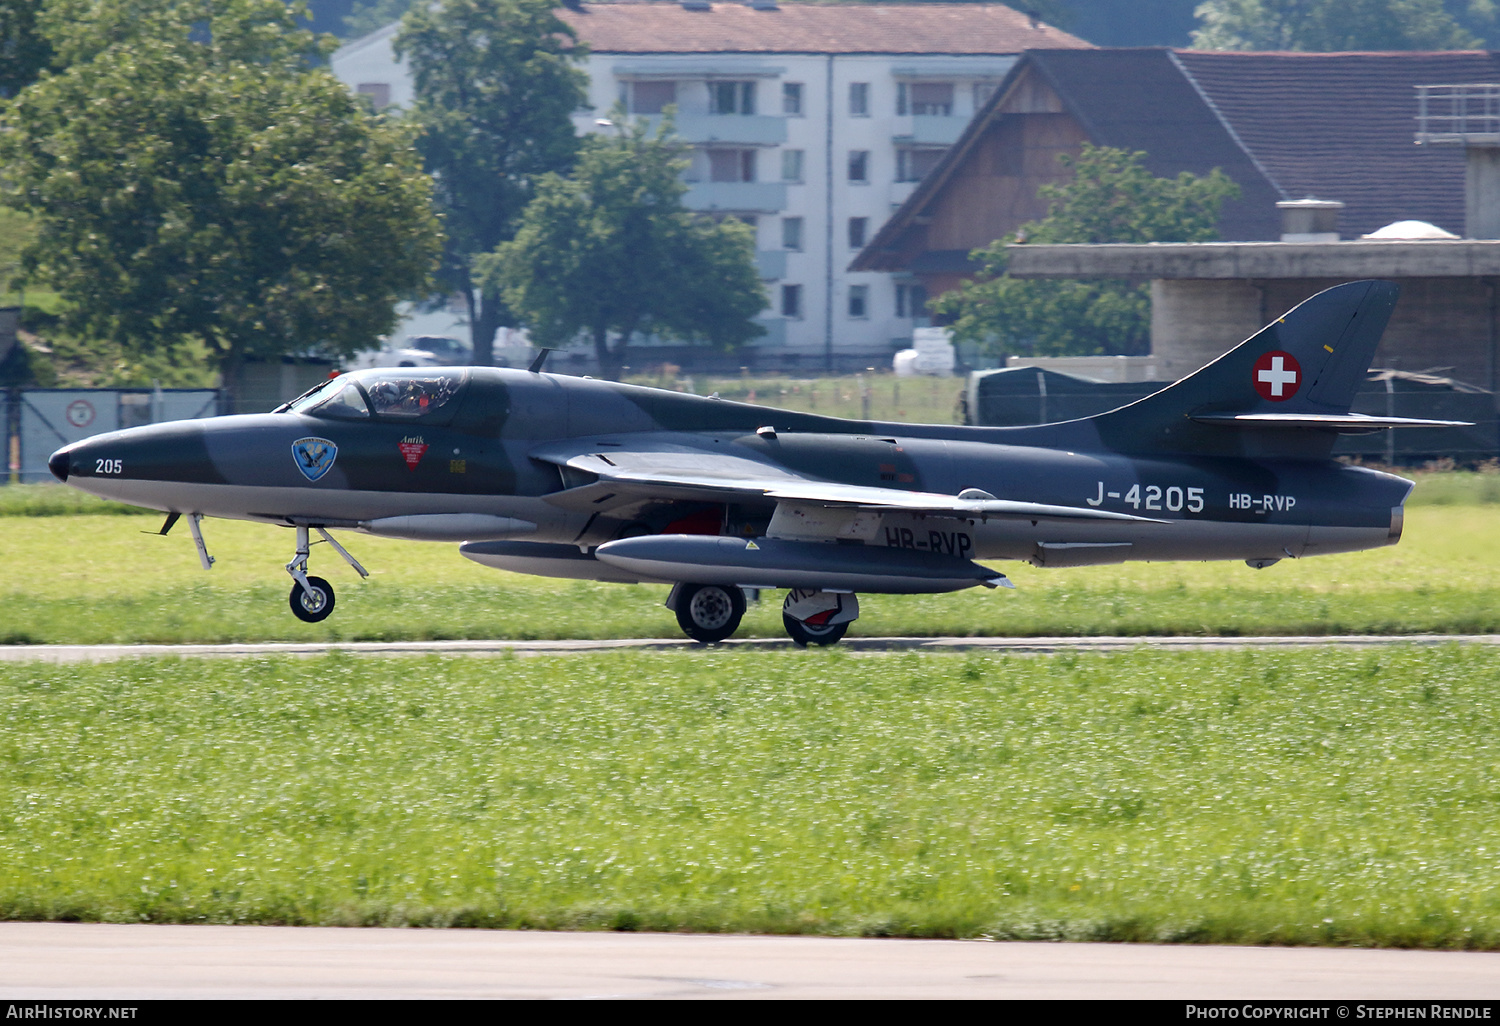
(1309,220)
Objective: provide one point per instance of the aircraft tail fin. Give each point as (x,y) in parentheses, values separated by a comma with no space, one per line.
(1286,390)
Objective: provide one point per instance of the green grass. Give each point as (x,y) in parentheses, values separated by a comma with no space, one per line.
(102,578)
(1309,797)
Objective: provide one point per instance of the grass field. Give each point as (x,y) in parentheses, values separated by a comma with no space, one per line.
(102,578)
(1311,797)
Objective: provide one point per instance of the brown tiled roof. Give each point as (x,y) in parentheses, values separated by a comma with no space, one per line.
(1339,126)
(925,28)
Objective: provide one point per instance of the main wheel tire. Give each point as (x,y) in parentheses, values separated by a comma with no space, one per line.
(803,634)
(710,612)
(310,608)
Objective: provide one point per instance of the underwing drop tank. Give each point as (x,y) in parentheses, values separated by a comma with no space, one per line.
(778,563)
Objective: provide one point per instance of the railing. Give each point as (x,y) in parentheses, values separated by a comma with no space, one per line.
(1467,114)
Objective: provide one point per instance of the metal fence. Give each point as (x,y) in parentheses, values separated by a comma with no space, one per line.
(1468,113)
(1030,395)
(39,421)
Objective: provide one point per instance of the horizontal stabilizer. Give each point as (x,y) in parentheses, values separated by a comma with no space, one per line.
(1299,371)
(1342,423)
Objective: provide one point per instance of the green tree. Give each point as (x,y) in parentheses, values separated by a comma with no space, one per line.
(496,84)
(1111,198)
(1329,25)
(194,180)
(24,51)
(369,15)
(611,253)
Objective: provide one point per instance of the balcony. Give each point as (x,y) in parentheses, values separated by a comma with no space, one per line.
(771,263)
(749,197)
(744,129)
(931,129)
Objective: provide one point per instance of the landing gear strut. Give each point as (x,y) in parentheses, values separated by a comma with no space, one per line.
(312,597)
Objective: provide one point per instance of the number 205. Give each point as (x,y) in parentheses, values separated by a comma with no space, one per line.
(107,466)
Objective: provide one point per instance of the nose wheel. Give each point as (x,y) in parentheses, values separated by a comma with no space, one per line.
(314,602)
(312,597)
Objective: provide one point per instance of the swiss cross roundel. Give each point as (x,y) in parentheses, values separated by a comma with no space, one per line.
(1277,376)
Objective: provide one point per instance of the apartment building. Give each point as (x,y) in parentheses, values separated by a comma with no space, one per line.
(810,122)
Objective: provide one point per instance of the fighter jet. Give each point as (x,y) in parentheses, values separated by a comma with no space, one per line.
(571,477)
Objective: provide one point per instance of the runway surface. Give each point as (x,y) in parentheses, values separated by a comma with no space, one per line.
(102,653)
(83,962)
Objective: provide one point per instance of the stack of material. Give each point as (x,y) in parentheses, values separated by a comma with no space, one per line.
(931,355)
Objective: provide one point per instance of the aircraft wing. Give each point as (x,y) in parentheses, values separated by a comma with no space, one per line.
(673,471)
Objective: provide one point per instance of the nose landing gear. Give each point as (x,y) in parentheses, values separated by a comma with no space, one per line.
(312,597)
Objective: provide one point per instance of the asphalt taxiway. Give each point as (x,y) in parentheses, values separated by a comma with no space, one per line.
(94,962)
(1041,646)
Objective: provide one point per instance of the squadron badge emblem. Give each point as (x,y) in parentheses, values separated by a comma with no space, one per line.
(314,456)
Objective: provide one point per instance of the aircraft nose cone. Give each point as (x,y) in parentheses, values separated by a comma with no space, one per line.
(58,464)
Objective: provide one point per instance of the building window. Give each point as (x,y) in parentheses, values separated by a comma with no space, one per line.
(859,165)
(731,97)
(791,98)
(650,97)
(927,99)
(378,92)
(982,93)
(791,301)
(791,165)
(791,233)
(912,165)
(859,99)
(731,165)
(858,226)
(911,301)
(859,299)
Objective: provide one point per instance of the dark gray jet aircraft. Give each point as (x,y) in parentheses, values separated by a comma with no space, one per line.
(571,477)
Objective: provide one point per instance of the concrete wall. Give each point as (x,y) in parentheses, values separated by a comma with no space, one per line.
(1444,325)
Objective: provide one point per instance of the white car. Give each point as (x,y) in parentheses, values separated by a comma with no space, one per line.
(419,351)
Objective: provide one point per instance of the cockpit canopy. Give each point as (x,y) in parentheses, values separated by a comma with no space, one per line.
(404,396)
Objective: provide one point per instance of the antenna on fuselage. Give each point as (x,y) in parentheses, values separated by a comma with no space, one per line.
(541,358)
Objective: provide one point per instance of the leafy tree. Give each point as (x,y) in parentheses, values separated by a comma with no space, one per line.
(610,253)
(1111,198)
(24,51)
(1329,25)
(496,84)
(369,15)
(194,181)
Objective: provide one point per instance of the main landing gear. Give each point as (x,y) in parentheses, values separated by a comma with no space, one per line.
(818,617)
(710,613)
(312,597)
